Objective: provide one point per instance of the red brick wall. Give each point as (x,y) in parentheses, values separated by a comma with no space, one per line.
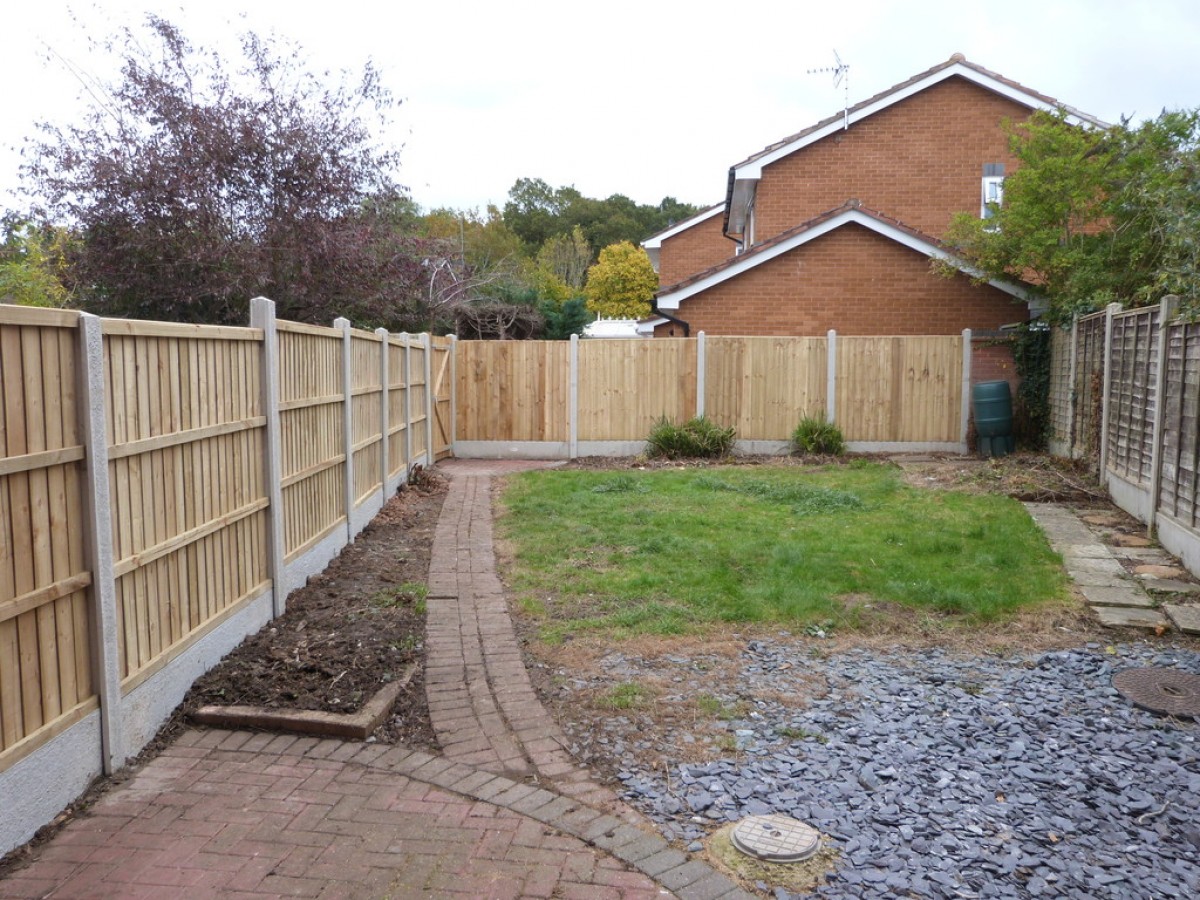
(918,161)
(693,250)
(852,280)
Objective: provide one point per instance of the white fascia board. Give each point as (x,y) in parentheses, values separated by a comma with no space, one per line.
(753,170)
(672,300)
(655,241)
(647,327)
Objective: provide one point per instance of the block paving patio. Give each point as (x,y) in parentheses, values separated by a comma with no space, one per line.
(503,812)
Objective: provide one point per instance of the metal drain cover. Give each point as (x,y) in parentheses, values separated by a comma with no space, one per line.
(1161,690)
(775,838)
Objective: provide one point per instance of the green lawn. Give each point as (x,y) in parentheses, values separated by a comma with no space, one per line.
(662,552)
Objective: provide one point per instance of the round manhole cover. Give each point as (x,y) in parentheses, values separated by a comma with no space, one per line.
(1161,690)
(775,838)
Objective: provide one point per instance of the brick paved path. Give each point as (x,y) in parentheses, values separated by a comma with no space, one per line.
(482,704)
(236,814)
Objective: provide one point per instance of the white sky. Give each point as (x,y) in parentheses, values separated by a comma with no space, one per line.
(645,98)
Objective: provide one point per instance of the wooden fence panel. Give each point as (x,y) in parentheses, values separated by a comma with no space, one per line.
(1179,491)
(311,403)
(625,386)
(442,391)
(397,424)
(513,390)
(416,398)
(45,655)
(367,412)
(1089,386)
(899,388)
(186,449)
(1060,386)
(1131,398)
(763,386)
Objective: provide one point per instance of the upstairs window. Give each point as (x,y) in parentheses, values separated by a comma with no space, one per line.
(992,195)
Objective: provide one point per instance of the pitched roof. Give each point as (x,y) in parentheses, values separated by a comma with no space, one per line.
(656,239)
(742,174)
(850,212)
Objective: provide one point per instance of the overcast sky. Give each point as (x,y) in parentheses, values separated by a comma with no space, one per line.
(648,99)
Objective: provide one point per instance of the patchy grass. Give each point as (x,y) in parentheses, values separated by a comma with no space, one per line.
(627,695)
(668,551)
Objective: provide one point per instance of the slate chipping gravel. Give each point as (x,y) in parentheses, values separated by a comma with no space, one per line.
(942,776)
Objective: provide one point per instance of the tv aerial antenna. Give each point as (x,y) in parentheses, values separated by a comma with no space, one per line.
(841,76)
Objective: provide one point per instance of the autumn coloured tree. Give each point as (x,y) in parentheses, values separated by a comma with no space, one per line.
(193,188)
(622,283)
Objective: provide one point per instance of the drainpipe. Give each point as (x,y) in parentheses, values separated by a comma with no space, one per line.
(687,329)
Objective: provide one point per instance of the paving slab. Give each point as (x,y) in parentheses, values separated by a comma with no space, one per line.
(1153,571)
(1120,539)
(1127,594)
(1128,617)
(1186,618)
(1170,586)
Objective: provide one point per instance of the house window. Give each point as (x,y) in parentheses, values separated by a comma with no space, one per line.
(992,195)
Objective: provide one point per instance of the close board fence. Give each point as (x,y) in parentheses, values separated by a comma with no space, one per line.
(1127,384)
(601,397)
(159,480)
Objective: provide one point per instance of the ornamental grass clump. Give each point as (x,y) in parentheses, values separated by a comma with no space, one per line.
(696,438)
(814,435)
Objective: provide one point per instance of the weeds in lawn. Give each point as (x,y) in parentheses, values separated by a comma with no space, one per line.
(621,484)
(802,498)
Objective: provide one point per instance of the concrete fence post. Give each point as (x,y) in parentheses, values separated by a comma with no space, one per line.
(454,395)
(384,408)
(1110,311)
(106,650)
(831,376)
(1167,313)
(1073,394)
(965,401)
(408,442)
(573,399)
(700,373)
(262,315)
(348,423)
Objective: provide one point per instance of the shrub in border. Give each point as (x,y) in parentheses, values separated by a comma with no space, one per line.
(696,438)
(815,435)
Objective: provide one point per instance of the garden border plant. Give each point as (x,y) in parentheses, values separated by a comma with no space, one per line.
(697,438)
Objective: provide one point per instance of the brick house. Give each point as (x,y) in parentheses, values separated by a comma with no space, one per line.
(834,227)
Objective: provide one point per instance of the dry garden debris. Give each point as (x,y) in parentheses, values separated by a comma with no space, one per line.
(350,631)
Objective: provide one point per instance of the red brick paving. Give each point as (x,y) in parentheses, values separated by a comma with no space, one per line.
(233,814)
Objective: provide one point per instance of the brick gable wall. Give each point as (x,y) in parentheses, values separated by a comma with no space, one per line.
(852,280)
(693,250)
(918,161)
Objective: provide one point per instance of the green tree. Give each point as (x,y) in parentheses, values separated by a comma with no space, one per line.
(1094,215)
(33,265)
(622,282)
(564,319)
(537,213)
(568,257)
